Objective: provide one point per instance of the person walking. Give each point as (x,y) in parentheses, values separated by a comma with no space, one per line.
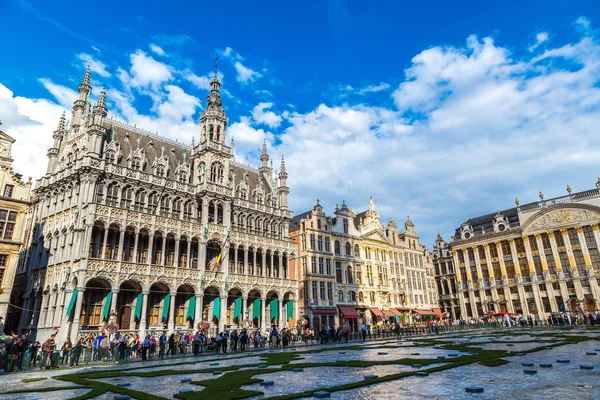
(171,349)
(76,351)
(363,331)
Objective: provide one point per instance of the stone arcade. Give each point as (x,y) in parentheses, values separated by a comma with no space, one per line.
(153,234)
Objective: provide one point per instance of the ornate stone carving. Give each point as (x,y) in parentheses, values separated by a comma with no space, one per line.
(566,216)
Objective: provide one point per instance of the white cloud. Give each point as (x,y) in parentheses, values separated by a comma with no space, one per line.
(157,49)
(245,74)
(540,38)
(31,122)
(374,88)
(269,118)
(146,71)
(65,96)
(178,105)
(96,66)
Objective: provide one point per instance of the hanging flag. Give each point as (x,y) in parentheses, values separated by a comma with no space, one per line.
(218,260)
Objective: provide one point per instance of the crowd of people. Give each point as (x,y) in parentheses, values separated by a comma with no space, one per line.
(18,353)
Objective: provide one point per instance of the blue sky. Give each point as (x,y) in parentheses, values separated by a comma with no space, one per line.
(441,111)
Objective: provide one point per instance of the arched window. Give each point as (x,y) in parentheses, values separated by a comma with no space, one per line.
(188,210)
(100,193)
(336,247)
(259,199)
(153,202)
(216,172)
(165,205)
(126,197)
(352,296)
(361,297)
(211,131)
(319,224)
(177,208)
(112,194)
(348,249)
(218,133)
(140,200)
(356,250)
(340,296)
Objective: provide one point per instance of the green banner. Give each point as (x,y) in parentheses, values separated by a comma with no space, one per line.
(191,311)
(274,309)
(72,302)
(237,308)
(166,306)
(106,309)
(256,309)
(217,308)
(137,314)
(290,309)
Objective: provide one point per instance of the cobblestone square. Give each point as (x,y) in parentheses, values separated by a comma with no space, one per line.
(379,369)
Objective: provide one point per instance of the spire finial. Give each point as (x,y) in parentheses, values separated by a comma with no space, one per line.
(541,195)
(102,98)
(282,169)
(569,189)
(517,202)
(61,123)
(86,76)
(264,157)
(216,60)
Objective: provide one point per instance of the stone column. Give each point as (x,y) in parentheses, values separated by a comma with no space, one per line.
(569,249)
(202,254)
(235,258)
(198,310)
(244,307)
(245,260)
(467,266)
(150,248)
(113,303)
(263,300)
(584,248)
(164,250)
(559,268)
(144,313)
(74,329)
(171,323)
(280,314)
(134,258)
(254,271)
(103,255)
(121,248)
(189,254)
(223,315)
(176,261)
(205,211)
(280,273)
(264,263)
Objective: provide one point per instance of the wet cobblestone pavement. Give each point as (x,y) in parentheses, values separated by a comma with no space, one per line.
(382,369)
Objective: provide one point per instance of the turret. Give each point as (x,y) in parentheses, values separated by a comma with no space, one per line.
(100,111)
(283,189)
(264,157)
(54,150)
(97,130)
(213,120)
(79,106)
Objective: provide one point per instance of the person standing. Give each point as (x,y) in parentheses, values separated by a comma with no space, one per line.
(76,352)
(363,330)
(162,342)
(66,350)
(145,347)
(171,349)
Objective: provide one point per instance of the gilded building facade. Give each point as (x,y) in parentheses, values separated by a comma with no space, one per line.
(152,234)
(533,259)
(14,200)
(445,278)
(353,269)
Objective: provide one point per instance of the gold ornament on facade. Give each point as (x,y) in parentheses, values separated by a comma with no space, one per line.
(569,189)
(561,249)
(483,261)
(576,247)
(579,229)
(517,202)
(537,235)
(535,253)
(522,255)
(495,259)
(564,231)
(541,196)
(511,240)
(550,234)
(486,246)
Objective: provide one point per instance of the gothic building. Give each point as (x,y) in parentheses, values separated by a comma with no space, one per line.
(151,234)
(354,269)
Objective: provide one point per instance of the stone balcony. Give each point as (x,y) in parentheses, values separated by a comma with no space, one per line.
(124,270)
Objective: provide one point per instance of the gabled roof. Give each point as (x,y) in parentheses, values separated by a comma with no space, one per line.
(295,222)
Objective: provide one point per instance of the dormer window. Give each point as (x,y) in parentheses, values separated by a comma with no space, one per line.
(110,157)
(136,164)
(259,199)
(243,194)
(160,171)
(345,225)
(183,177)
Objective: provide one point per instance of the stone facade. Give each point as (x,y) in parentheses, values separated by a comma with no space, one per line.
(445,278)
(153,234)
(353,269)
(14,200)
(532,259)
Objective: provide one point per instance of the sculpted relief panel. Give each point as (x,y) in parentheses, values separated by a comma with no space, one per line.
(563,217)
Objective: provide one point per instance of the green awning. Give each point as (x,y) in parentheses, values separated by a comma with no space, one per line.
(274,309)
(290,309)
(217,308)
(137,314)
(191,311)
(256,309)
(237,308)
(72,302)
(106,309)
(166,306)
